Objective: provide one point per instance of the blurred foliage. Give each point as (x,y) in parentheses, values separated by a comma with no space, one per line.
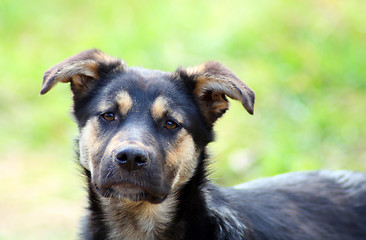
(304,59)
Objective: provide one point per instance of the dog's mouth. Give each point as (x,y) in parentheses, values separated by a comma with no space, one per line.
(130,192)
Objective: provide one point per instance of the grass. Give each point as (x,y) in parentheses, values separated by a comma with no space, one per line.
(304,59)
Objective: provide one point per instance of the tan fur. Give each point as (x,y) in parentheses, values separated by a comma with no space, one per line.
(194,70)
(75,72)
(79,69)
(205,84)
(217,106)
(215,77)
(138,220)
(88,68)
(183,157)
(101,57)
(124,101)
(88,137)
(219,103)
(160,108)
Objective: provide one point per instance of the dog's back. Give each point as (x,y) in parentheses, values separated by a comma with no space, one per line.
(303,205)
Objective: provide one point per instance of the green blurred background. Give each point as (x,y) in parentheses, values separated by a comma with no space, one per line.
(304,59)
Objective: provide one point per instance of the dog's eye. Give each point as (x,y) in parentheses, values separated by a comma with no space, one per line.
(109,116)
(170,124)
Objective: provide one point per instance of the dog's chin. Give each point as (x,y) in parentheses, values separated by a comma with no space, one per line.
(130,192)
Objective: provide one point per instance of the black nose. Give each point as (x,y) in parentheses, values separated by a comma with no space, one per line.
(131,158)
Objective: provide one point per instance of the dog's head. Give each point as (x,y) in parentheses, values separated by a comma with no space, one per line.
(141,131)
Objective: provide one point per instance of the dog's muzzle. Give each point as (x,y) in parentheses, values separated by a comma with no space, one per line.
(132,172)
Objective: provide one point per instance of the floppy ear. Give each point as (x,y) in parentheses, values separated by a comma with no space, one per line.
(212,82)
(81,70)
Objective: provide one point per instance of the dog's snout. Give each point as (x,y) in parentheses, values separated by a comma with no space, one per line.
(131,158)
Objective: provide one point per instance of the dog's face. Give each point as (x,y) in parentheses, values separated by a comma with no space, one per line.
(141,131)
(136,135)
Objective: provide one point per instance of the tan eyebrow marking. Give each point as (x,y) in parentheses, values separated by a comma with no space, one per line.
(161,108)
(124,102)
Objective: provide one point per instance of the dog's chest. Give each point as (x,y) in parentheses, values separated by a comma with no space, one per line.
(143,221)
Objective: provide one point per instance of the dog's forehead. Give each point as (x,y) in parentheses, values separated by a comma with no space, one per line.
(146,73)
(143,87)
(140,79)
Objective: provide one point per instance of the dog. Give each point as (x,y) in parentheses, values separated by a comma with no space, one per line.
(142,147)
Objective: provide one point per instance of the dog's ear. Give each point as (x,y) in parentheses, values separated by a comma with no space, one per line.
(212,82)
(81,70)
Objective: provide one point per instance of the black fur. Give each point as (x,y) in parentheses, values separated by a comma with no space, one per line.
(301,205)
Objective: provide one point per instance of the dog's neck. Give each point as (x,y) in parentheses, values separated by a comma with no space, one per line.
(138,220)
